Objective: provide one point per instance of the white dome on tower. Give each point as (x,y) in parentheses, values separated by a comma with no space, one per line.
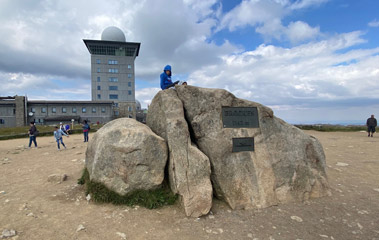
(113,34)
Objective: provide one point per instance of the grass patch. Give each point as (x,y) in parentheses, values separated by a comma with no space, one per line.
(333,128)
(146,198)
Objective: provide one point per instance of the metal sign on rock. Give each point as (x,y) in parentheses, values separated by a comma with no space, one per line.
(240,117)
(243,144)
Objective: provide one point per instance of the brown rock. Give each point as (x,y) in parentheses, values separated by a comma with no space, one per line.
(126,155)
(189,168)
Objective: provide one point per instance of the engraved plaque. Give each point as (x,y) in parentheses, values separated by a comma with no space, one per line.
(243,144)
(240,117)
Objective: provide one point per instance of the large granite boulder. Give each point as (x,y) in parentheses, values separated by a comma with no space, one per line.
(285,165)
(126,155)
(188,168)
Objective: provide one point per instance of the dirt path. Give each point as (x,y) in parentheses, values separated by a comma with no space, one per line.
(38,209)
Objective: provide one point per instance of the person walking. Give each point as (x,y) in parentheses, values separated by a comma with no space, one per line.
(58,136)
(371,123)
(33,132)
(86,129)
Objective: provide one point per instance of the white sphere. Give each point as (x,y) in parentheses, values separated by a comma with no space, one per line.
(113,34)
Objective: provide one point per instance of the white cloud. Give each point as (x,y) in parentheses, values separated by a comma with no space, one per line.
(251,13)
(374,23)
(307,74)
(145,95)
(300,31)
(266,17)
(44,56)
(306,3)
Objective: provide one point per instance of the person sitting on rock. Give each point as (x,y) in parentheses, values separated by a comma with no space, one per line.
(166,82)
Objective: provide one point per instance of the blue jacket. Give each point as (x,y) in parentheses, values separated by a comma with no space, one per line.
(58,134)
(165,79)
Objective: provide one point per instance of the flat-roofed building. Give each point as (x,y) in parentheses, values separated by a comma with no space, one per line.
(112,70)
(53,112)
(18,111)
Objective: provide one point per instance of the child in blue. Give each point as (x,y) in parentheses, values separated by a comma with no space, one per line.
(58,136)
(166,78)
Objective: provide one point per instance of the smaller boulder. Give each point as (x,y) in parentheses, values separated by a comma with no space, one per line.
(57,178)
(125,155)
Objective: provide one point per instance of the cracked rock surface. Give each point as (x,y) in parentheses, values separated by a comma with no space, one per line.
(286,164)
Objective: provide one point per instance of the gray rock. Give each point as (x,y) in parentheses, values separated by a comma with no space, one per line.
(341,164)
(80,228)
(8,233)
(126,155)
(286,165)
(189,168)
(57,178)
(297,219)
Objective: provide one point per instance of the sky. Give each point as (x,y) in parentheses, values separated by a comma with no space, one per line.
(311,61)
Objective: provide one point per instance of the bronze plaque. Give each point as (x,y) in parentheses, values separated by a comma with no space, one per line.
(243,144)
(240,117)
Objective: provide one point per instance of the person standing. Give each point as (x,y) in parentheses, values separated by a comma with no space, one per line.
(86,129)
(32,134)
(58,136)
(371,123)
(67,128)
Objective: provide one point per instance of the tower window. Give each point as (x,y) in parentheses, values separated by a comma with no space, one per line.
(129,92)
(129,84)
(98,96)
(54,110)
(129,75)
(98,79)
(113,79)
(112,62)
(98,70)
(98,61)
(98,88)
(113,88)
(113,70)
(129,66)
(113,96)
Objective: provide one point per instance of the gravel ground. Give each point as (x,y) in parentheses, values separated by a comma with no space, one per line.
(36,205)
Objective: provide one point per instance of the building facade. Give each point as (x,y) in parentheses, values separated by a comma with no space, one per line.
(112,89)
(112,71)
(18,111)
(13,111)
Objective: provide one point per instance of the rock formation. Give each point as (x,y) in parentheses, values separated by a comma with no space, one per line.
(189,169)
(126,155)
(215,144)
(286,165)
